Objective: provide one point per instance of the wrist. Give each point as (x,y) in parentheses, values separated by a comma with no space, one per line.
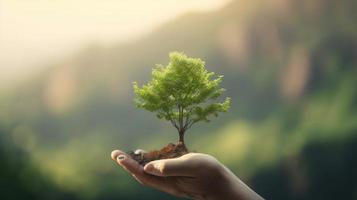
(230,187)
(224,185)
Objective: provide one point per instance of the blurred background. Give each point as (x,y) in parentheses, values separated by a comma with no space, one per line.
(66,69)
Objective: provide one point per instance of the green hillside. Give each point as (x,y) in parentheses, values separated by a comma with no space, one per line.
(289,66)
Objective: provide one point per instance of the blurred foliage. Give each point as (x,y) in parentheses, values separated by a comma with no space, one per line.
(20,179)
(290,68)
(320,166)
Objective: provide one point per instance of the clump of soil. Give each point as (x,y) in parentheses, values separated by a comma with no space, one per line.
(169,151)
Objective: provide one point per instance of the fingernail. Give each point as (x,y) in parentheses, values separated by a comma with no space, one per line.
(121,157)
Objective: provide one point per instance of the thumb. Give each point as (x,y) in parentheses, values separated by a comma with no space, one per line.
(170,167)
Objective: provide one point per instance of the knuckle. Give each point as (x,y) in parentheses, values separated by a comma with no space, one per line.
(209,163)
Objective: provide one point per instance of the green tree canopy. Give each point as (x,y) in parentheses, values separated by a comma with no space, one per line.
(183,93)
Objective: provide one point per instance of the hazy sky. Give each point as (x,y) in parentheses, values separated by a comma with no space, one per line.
(33,32)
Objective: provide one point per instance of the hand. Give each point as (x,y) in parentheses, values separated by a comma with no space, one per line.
(194,175)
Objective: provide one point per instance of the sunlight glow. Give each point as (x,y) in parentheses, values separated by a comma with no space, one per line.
(34,32)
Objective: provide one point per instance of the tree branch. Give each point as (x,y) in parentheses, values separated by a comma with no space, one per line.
(188,114)
(173,122)
(191,123)
(180,116)
(186,124)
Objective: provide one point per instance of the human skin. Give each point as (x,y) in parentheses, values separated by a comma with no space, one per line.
(194,176)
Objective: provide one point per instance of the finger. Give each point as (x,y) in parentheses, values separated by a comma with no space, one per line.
(125,161)
(137,171)
(168,185)
(115,154)
(129,164)
(172,167)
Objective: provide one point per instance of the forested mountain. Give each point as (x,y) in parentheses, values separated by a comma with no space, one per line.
(289,66)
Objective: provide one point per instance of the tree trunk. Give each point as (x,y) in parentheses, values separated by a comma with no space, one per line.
(182,139)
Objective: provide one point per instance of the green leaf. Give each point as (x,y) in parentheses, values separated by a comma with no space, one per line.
(181,92)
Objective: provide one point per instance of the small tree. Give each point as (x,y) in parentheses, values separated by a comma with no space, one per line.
(180,93)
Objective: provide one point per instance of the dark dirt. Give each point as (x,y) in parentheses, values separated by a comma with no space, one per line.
(169,151)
